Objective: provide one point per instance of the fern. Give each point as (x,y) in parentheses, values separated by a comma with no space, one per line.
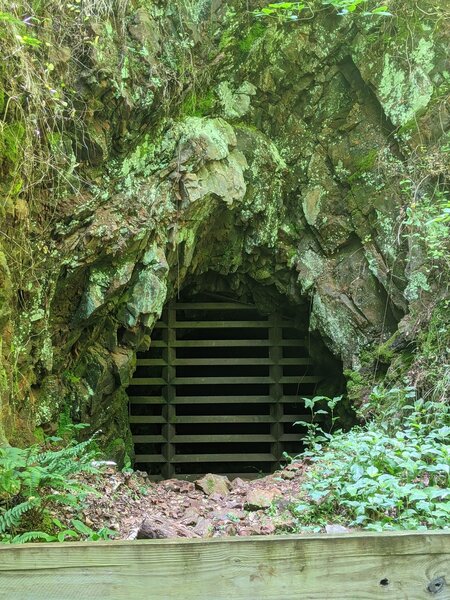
(35,478)
(33,536)
(12,517)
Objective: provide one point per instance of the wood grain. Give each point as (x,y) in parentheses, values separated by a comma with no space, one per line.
(339,567)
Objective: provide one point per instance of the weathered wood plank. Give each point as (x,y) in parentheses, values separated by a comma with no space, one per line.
(343,567)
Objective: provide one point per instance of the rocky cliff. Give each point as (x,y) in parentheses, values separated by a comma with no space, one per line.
(147,147)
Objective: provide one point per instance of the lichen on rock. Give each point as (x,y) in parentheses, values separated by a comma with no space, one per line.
(202,143)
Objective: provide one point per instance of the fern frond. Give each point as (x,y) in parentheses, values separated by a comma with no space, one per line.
(12,517)
(32,536)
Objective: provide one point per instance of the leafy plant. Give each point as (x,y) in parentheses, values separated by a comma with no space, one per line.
(292,10)
(375,479)
(80,531)
(315,432)
(32,479)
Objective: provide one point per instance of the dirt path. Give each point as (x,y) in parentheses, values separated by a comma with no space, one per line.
(212,506)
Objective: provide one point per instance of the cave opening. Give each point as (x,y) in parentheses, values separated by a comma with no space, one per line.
(223,384)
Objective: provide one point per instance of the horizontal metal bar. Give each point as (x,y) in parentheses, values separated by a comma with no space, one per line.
(215,325)
(149,458)
(186,419)
(295,361)
(214,306)
(222,438)
(217,362)
(151,362)
(294,399)
(208,458)
(297,343)
(293,418)
(212,343)
(301,379)
(223,400)
(148,381)
(147,400)
(231,380)
(149,439)
(147,419)
(291,437)
(218,399)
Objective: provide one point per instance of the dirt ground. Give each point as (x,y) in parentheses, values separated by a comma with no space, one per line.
(134,507)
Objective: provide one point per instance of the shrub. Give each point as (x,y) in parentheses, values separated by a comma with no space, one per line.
(373,478)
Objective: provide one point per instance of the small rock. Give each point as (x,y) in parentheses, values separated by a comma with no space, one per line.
(294,466)
(191,517)
(239,483)
(214,484)
(159,527)
(177,485)
(336,529)
(287,474)
(260,498)
(203,528)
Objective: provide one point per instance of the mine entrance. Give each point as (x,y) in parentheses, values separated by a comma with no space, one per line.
(219,390)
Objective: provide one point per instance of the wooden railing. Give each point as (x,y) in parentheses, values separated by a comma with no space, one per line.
(397,566)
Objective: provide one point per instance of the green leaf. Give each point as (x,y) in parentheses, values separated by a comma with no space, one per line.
(372,471)
(81,527)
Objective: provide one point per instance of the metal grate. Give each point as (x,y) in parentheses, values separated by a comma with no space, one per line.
(219,390)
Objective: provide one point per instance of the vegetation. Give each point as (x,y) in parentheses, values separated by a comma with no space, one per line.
(35,479)
(88,91)
(297,10)
(393,473)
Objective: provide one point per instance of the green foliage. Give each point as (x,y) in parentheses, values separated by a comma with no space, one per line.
(319,416)
(32,479)
(80,531)
(376,478)
(198,106)
(293,10)
(20,29)
(255,33)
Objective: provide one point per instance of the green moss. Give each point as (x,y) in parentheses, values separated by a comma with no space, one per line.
(198,106)
(255,33)
(39,435)
(385,352)
(365,163)
(356,386)
(120,451)
(11,139)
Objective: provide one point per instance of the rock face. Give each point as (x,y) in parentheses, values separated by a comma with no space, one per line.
(277,163)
